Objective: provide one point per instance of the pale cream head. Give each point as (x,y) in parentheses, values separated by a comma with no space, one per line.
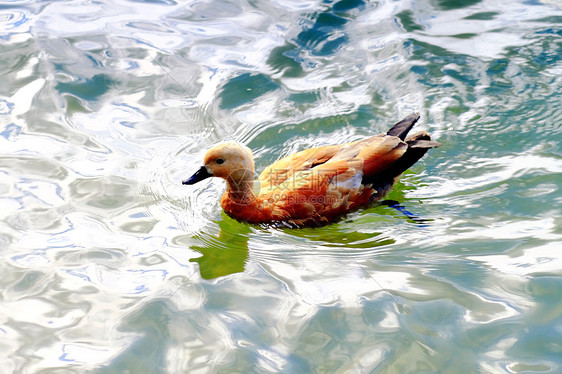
(227,158)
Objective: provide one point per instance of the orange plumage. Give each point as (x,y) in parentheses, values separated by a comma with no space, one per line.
(316,186)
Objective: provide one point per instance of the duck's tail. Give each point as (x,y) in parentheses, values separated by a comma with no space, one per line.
(418,144)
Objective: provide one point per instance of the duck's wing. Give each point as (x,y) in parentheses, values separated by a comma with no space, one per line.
(381,158)
(285,168)
(395,156)
(315,190)
(375,154)
(386,157)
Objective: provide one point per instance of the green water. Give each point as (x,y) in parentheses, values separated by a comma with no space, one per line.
(110,265)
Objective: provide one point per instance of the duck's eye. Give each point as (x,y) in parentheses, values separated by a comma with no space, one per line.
(219,161)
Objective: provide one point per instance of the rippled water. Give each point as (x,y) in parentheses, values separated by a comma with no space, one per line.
(110,264)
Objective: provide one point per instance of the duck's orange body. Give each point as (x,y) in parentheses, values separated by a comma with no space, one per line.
(318,185)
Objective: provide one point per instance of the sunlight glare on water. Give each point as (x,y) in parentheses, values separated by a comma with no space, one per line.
(111,265)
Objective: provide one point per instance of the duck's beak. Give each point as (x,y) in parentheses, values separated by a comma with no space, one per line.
(198,176)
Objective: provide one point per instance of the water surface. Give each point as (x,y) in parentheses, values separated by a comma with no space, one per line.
(110,265)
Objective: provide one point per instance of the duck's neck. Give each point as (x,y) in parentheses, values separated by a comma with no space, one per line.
(240,189)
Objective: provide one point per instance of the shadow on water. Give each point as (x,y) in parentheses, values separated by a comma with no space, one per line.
(225,254)
(422,222)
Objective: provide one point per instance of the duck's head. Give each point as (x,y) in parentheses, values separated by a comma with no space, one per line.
(230,160)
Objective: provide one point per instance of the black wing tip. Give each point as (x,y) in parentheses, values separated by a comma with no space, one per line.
(402,128)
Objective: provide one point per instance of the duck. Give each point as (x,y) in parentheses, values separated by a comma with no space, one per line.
(316,186)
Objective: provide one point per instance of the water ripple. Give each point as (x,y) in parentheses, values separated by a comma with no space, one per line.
(111,265)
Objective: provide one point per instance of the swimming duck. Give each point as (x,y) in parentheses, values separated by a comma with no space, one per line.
(313,187)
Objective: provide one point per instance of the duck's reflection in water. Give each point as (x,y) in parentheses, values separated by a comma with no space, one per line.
(225,254)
